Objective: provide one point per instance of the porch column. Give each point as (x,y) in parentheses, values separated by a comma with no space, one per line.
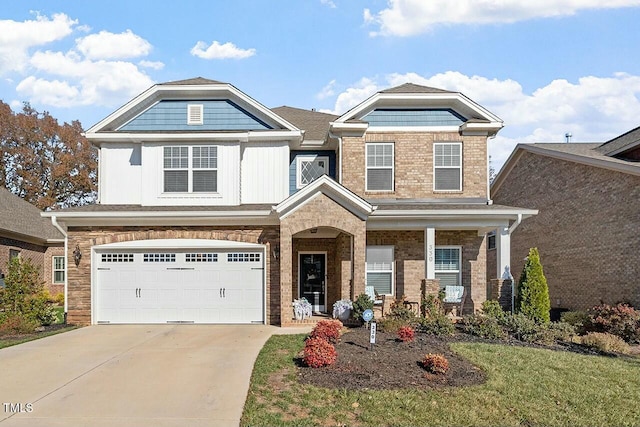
(359,260)
(430,253)
(503,253)
(286,287)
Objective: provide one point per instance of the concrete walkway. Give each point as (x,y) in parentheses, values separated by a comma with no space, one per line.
(132,375)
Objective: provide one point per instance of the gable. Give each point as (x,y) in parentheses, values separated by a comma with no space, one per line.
(218,115)
(413,117)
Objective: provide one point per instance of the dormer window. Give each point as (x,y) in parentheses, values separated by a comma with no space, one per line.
(309,168)
(195,114)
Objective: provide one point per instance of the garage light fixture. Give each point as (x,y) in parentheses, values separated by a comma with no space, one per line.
(77,255)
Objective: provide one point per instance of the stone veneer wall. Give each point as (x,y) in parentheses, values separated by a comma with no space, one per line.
(79,278)
(414,164)
(586,229)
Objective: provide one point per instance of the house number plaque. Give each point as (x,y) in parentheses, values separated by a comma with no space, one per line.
(372,336)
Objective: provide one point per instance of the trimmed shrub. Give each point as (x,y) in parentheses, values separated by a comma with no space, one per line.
(39,309)
(605,342)
(362,303)
(432,306)
(439,325)
(406,334)
(562,331)
(621,320)
(318,353)
(328,330)
(578,319)
(16,324)
(523,328)
(483,327)
(399,311)
(59,298)
(533,292)
(435,363)
(392,324)
(492,308)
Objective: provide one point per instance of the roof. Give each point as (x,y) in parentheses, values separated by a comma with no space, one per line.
(620,143)
(97,208)
(414,88)
(20,218)
(193,81)
(578,152)
(315,124)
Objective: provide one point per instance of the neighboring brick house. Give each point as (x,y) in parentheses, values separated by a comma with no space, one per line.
(24,233)
(587,229)
(216,209)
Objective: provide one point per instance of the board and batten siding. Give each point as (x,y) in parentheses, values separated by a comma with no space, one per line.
(228,178)
(120,174)
(293,165)
(390,117)
(218,115)
(264,172)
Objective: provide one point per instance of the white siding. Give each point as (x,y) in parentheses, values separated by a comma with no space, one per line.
(120,174)
(228,178)
(265,172)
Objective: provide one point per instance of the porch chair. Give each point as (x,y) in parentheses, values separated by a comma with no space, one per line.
(454,296)
(377,299)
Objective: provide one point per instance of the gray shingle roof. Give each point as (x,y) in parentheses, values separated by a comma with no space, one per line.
(97,208)
(193,81)
(414,88)
(18,216)
(314,123)
(619,142)
(586,150)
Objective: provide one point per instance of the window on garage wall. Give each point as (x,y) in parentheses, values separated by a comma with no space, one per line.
(58,269)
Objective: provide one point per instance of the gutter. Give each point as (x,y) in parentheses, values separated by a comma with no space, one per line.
(55,223)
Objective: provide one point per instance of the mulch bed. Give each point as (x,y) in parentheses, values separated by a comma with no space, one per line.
(391,364)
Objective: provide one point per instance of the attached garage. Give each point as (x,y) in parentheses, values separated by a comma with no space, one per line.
(178,281)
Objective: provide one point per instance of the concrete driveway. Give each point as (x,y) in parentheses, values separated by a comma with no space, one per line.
(131,375)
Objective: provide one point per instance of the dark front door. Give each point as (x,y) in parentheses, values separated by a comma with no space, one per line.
(313,279)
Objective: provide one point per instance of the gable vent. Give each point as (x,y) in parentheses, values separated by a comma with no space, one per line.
(194,114)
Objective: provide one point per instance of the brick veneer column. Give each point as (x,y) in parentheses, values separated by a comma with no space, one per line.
(501,292)
(286,285)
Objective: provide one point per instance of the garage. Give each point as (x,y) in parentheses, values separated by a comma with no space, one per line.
(178,281)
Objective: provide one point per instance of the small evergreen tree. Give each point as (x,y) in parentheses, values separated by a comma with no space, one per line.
(533,292)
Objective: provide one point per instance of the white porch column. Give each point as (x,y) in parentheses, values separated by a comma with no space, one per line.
(503,248)
(430,253)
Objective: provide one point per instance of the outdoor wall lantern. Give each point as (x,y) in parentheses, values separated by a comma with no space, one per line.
(77,255)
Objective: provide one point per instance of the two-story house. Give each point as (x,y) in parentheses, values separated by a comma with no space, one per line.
(216,209)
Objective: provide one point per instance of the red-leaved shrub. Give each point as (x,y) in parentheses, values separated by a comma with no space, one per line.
(319,352)
(435,363)
(621,320)
(328,330)
(406,334)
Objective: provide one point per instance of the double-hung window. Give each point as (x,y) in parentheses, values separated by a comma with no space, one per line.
(191,169)
(447,166)
(447,265)
(58,269)
(310,167)
(380,269)
(379,165)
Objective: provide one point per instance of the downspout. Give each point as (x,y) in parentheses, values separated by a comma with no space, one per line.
(54,221)
(511,230)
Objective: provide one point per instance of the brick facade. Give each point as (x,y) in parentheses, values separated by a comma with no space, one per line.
(413,164)
(79,278)
(586,229)
(41,256)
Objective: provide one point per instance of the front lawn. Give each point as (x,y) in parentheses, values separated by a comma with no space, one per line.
(8,341)
(525,386)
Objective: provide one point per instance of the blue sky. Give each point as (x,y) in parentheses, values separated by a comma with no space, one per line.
(546,67)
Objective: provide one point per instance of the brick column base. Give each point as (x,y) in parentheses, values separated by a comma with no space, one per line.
(428,287)
(501,292)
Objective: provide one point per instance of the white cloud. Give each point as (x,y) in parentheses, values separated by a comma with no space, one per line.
(16,38)
(329,3)
(156,65)
(593,109)
(220,51)
(106,45)
(410,17)
(82,81)
(327,91)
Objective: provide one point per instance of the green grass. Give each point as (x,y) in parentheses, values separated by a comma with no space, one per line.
(525,386)
(9,341)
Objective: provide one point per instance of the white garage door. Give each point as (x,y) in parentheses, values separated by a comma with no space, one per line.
(181,286)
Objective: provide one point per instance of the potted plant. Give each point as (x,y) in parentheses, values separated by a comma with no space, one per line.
(342,309)
(301,308)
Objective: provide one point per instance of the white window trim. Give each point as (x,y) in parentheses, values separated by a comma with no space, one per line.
(459,270)
(392,167)
(198,109)
(54,270)
(308,157)
(392,271)
(190,169)
(446,167)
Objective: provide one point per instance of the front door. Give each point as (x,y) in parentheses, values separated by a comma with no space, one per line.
(312,280)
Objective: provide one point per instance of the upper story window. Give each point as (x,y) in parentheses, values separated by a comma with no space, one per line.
(191,169)
(379,164)
(447,166)
(310,167)
(195,115)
